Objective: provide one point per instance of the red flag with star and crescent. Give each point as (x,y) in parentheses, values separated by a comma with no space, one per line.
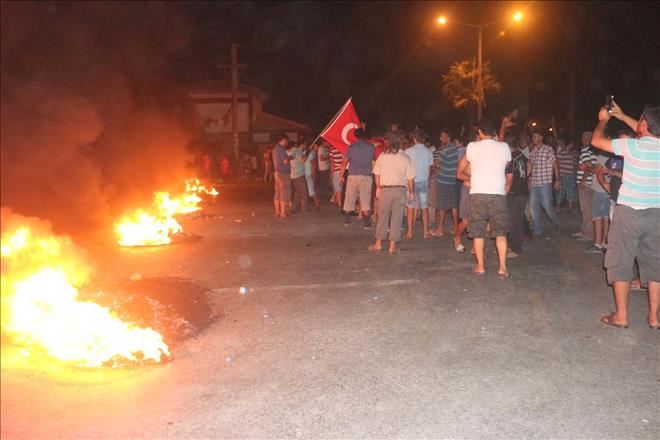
(340,132)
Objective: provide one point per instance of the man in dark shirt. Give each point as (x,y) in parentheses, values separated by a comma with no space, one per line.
(282,168)
(517,195)
(360,156)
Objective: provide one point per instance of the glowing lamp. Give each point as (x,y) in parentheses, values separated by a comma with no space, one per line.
(442,20)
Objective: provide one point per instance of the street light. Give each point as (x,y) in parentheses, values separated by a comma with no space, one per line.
(516,17)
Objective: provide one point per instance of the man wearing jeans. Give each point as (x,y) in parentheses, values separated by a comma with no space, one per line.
(422,159)
(543,166)
(360,155)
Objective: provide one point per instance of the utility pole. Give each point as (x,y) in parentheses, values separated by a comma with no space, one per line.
(235,70)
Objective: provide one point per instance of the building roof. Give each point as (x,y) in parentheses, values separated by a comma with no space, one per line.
(267,121)
(216,88)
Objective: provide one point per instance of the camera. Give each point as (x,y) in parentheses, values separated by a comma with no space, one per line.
(608,102)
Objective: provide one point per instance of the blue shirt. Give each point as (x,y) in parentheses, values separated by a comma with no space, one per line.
(297,164)
(281,160)
(641,172)
(360,155)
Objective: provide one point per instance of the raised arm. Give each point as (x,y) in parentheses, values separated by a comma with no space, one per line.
(599,140)
(620,115)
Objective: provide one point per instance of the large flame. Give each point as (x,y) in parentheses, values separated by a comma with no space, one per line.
(157,226)
(41,275)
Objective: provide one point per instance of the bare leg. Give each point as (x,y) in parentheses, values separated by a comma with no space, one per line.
(621,297)
(654,303)
(392,246)
(606,228)
(454,219)
(425,222)
(479,249)
(283,209)
(432,217)
(598,231)
(440,227)
(458,232)
(501,244)
(411,222)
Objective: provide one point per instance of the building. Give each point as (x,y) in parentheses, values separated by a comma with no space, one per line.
(210,105)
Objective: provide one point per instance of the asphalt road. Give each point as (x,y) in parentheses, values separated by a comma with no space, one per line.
(335,342)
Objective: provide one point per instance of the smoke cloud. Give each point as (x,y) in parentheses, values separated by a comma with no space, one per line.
(89,110)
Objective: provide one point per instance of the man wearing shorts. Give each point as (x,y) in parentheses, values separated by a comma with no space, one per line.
(488,159)
(282,176)
(360,155)
(422,159)
(447,197)
(600,209)
(634,232)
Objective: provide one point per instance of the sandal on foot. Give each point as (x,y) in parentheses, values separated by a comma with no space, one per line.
(609,320)
(477,272)
(503,275)
(373,248)
(395,251)
(460,248)
(654,326)
(437,234)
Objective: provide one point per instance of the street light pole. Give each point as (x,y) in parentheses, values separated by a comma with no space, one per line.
(517,17)
(480,78)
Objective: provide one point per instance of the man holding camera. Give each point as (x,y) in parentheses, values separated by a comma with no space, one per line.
(634,232)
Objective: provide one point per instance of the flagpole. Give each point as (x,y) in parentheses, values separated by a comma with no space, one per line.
(332,120)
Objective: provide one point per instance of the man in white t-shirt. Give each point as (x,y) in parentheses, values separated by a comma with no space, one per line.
(487,160)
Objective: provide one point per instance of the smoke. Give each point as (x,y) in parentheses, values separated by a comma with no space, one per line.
(89,110)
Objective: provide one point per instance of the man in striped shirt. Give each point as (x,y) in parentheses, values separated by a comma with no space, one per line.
(447,163)
(586,164)
(635,231)
(336,159)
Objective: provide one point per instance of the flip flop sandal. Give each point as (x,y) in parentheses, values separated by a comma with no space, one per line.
(479,273)
(503,276)
(395,251)
(460,248)
(608,321)
(373,248)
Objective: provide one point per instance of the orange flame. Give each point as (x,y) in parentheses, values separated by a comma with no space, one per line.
(41,275)
(195,186)
(142,228)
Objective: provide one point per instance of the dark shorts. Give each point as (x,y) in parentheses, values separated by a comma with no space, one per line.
(447,196)
(486,208)
(633,234)
(282,187)
(464,205)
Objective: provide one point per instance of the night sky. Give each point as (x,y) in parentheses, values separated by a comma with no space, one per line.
(390,56)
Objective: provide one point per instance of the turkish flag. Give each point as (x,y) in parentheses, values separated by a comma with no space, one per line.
(340,132)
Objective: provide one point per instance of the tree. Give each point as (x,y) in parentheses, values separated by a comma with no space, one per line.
(460,84)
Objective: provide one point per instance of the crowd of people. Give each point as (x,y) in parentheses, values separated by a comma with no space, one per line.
(495,183)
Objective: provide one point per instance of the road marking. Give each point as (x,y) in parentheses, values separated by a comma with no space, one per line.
(323,285)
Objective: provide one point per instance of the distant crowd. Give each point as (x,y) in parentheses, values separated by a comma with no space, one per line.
(493,184)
